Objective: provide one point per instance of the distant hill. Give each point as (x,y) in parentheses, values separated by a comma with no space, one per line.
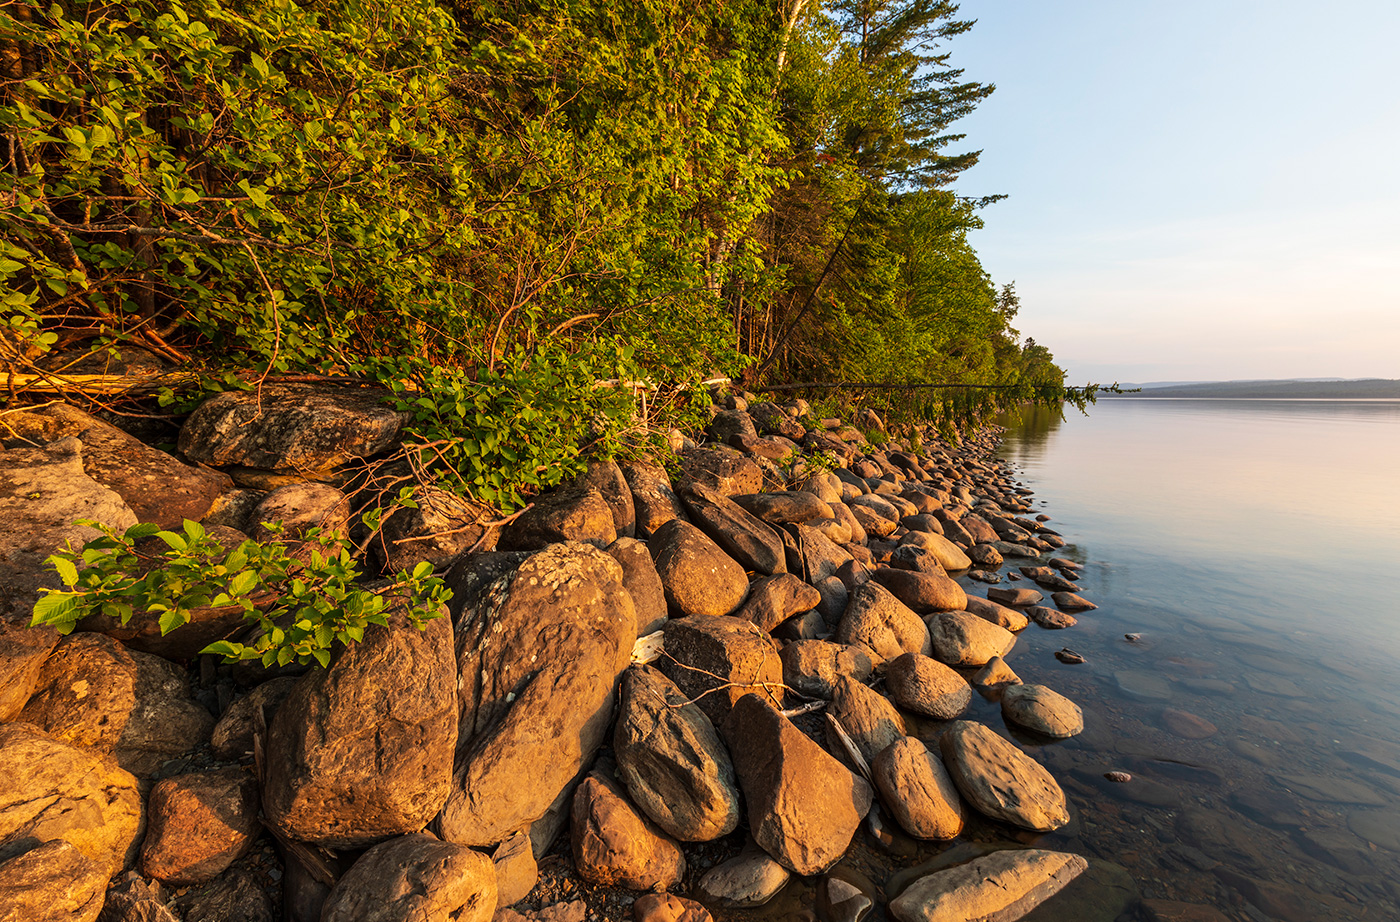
(1291,389)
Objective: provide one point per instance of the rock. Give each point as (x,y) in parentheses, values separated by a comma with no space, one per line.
(729,423)
(1004,885)
(922,592)
(774,599)
(705,653)
(157,487)
(415,877)
(1071,602)
(1146,685)
(1000,615)
(301,507)
(868,718)
(43,493)
(840,900)
(607,478)
(925,686)
(917,790)
(640,579)
(978,529)
(1330,788)
(671,759)
(984,555)
(723,471)
(56,791)
(539,657)
(1050,618)
(948,554)
(133,899)
(1008,549)
(996,672)
(808,626)
(820,557)
(812,667)
(296,428)
(835,599)
(749,879)
(85,692)
(198,824)
(1381,827)
(915,558)
(237,896)
(653,500)
(698,577)
(23,652)
(960,639)
(516,869)
(613,845)
(1186,725)
(1000,781)
(564,515)
(439,529)
(1041,709)
(52,882)
(165,721)
(232,738)
(803,805)
(843,515)
(883,625)
(922,522)
(791,508)
(362,750)
(664,907)
(1017,598)
(749,541)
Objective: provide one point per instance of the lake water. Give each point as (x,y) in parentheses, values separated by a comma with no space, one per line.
(1255,547)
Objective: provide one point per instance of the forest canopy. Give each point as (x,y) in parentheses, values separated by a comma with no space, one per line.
(492,207)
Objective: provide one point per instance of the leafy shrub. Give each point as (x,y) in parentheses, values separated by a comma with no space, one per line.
(301,606)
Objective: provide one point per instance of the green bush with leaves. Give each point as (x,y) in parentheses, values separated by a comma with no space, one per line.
(302,604)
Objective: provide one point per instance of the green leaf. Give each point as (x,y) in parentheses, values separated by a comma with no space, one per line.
(223,648)
(172,619)
(243,583)
(176,542)
(58,609)
(65,569)
(422,569)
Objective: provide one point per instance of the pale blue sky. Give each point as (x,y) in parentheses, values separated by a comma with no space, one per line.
(1198,190)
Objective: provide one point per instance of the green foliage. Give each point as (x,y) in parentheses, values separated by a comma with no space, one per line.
(302,606)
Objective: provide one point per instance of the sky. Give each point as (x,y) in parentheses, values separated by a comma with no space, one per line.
(1196,190)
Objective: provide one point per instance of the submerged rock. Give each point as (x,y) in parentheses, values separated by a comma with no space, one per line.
(1004,885)
(1000,780)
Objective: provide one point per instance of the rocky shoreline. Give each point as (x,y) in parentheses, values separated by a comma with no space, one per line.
(657,694)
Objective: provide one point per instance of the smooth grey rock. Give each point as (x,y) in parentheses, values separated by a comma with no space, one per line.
(999,887)
(643,584)
(925,686)
(414,877)
(999,780)
(749,879)
(698,577)
(1041,709)
(960,639)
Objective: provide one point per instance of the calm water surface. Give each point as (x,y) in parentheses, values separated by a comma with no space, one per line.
(1255,547)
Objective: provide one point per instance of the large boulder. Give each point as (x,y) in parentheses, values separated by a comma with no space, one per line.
(922,592)
(607,478)
(52,882)
(789,508)
(948,554)
(43,494)
(301,508)
(998,614)
(642,583)
(699,578)
(774,599)
(539,656)
(157,486)
(1041,709)
(882,624)
(818,555)
(961,639)
(415,877)
(1000,780)
(867,717)
(672,761)
(362,751)
(165,722)
(1004,885)
(813,667)
(803,805)
(925,686)
(198,824)
(23,652)
(440,527)
(56,791)
(615,846)
(290,428)
(715,661)
(751,878)
(750,541)
(721,469)
(570,514)
(233,735)
(916,788)
(654,501)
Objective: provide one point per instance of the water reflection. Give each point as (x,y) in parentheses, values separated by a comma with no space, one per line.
(1259,712)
